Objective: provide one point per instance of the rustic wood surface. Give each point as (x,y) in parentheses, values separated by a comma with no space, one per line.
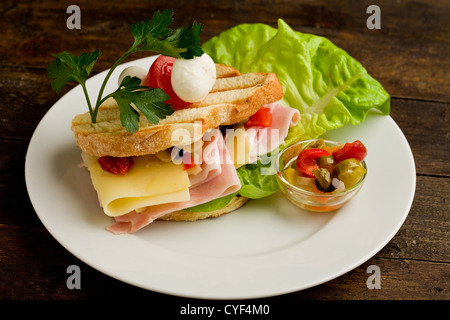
(409,55)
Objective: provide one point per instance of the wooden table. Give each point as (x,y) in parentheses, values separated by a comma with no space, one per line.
(409,55)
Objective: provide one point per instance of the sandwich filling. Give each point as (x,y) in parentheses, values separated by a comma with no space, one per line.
(154,187)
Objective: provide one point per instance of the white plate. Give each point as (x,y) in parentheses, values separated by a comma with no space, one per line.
(268,247)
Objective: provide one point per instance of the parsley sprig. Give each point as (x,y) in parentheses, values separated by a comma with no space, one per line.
(150,35)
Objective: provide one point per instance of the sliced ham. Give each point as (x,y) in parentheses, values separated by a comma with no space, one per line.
(211,158)
(218,179)
(265,139)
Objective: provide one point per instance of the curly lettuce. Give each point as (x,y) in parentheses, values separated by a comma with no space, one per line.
(322,81)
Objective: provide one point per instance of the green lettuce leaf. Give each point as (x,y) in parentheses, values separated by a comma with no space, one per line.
(258,179)
(239,46)
(322,81)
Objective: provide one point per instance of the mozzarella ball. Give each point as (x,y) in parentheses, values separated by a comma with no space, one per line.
(193,79)
(134,71)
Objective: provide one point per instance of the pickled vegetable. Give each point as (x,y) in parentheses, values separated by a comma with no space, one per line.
(291,175)
(351,150)
(349,172)
(323,177)
(307,160)
(320,168)
(338,185)
(316,144)
(327,162)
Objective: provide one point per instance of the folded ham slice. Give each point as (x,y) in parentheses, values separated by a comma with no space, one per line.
(265,139)
(218,178)
(212,154)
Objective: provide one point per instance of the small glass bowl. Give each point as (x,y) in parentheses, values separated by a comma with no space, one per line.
(312,201)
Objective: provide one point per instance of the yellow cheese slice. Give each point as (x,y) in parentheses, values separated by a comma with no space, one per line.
(149,182)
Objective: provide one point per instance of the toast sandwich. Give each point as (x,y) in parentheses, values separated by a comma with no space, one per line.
(233,99)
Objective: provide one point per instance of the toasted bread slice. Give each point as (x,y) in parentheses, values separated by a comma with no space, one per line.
(234,98)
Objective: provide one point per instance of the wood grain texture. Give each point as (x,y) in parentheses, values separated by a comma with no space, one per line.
(408,55)
(392,54)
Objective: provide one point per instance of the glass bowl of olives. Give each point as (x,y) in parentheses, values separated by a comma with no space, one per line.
(321,175)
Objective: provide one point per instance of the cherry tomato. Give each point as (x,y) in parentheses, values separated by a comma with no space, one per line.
(115,165)
(307,161)
(159,76)
(262,118)
(355,150)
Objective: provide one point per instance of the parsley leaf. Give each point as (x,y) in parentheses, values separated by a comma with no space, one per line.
(128,116)
(68,67)
(189,38)
(158,27)
(60,73)
(149,101)
(155,35)
(149,35)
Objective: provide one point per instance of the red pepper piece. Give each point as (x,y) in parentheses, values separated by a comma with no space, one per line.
(115,165)
(307,160)
(355,150)
(262,118)
(187,166)
(188,161)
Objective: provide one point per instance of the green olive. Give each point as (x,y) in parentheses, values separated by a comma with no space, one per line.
(349,172)
(326,161)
